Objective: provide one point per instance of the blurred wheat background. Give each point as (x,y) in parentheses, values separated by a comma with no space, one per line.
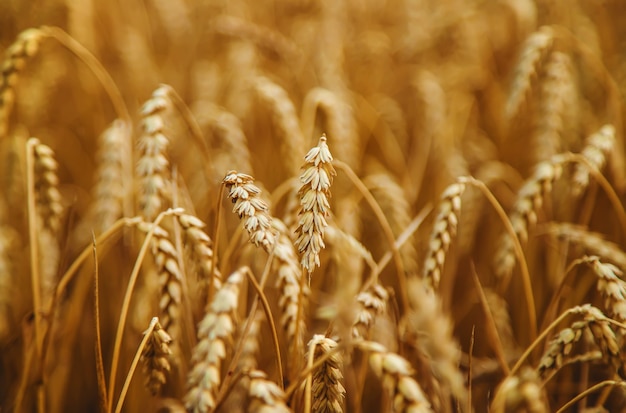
(312,206)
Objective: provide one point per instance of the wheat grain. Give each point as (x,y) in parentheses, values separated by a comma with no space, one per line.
(215,331)
(24,48)
(315,207)
(152,167)
(155,357)
(444,229)
(598,147)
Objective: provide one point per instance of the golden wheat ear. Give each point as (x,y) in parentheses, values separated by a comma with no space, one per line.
(522,392)
(327,389)
(155,357)
(315,206)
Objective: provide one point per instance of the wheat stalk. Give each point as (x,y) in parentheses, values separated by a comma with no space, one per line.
(215,332)
(315,207)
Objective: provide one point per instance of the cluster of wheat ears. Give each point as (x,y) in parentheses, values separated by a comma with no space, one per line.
(312,206)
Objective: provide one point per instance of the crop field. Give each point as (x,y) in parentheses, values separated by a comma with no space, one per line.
(312,206)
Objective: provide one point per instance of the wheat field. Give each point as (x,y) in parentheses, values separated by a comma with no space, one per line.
(312,206)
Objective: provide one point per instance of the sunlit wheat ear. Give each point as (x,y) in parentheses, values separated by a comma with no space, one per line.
(522,392)
(534,50)
(524,213)
(25,47)
(560,348)
(169,278)
(315,207)
(396,373)
(277,102)
(597,148)
(592,243)
(155,358)
(108,192)
(292,301)
(252,210)
(444,229)
(265,396)
(47,192)
(153,166)
(215,335)
(201,248)
(372,303)
(611,286)
(327,390)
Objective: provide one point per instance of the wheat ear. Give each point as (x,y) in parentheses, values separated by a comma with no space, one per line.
(109,189)
(591,242)
(555,97)
(169,277)
(47,187)
(610,285)
(315,207)
(535,48)
(560,348)
(372,303)
(524,214)
(520,393)
(435,339)
(598,146)
(155,357)
(265,396)
(444,229)
(152,167)
(25,47)
(277,101)
(215,332)
(327,391)
(251,209)
(396,373)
